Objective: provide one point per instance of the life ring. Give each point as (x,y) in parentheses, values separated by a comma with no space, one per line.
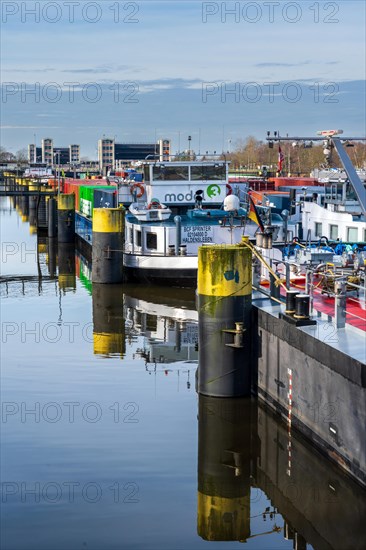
(229,189)
(154,204)
(134,188)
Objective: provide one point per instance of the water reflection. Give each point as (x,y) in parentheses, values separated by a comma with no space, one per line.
(108,320)
(319,503)
(244,491)
(224,455)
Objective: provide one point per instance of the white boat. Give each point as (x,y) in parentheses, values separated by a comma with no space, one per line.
(202,210)
(154,211)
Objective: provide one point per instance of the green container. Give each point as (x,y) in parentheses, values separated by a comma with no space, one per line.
(86,198)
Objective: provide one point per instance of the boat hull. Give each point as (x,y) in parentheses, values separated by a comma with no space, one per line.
(180,271)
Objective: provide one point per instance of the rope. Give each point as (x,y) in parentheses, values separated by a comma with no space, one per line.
(278,281)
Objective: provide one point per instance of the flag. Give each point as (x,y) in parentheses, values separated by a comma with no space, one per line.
(253,214)
(281,158)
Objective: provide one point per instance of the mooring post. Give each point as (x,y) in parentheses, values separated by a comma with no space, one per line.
(178,233)
(224,299)
(52,217)
(107,248)
(66,218)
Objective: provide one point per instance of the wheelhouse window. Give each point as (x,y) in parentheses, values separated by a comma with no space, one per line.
(203,172)
(170,173)
(333,232)
(138,238)
(318,229)
(146,173)
(352,234)
(151,241)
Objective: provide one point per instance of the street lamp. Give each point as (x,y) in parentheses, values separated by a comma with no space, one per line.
(189,146)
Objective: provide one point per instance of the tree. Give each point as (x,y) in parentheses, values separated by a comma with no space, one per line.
(5,155)
(21,156)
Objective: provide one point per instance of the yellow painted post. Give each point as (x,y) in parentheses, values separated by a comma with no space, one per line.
(224,303)
(107,244)
(66,218)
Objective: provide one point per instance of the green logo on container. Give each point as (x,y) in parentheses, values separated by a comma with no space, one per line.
(213,190)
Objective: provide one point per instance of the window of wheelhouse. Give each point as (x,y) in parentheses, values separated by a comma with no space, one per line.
(151,241)
(333,232)
(318,229)
(146,173)
(170,173)
(352,234)
(138,238)
(204,172)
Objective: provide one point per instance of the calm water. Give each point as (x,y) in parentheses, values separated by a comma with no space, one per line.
(105,443)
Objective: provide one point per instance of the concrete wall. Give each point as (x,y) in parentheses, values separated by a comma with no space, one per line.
(328,401)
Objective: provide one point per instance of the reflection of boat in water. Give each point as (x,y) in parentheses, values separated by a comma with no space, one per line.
(169,326)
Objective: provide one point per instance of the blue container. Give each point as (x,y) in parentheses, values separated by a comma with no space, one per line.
(136,177)
(105,198)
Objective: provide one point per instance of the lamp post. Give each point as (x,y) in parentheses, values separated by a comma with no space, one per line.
(189,147)
(58,171)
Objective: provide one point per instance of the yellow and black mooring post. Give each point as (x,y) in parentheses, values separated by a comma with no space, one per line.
(52,217)
(224,458)
(224,306)
(108,238)
(66,218)
(108,320)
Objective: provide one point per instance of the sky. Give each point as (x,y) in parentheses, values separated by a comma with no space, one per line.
(218,71)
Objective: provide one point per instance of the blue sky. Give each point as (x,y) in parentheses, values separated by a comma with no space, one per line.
(165,69)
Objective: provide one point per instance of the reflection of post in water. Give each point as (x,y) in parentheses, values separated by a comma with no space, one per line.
(52,256)
(33,209)
(24,204)
(224,468)
(108,320)
(66,266)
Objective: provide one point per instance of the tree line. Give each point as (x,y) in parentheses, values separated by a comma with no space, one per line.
(250,153)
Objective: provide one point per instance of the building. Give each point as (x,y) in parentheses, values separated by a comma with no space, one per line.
(106,153)
(113,155)
(47,151)
(34,154)
(51,155)
(74,154)
(61,155)
(164,149)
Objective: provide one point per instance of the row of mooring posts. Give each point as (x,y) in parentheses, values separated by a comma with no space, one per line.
(107,237)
